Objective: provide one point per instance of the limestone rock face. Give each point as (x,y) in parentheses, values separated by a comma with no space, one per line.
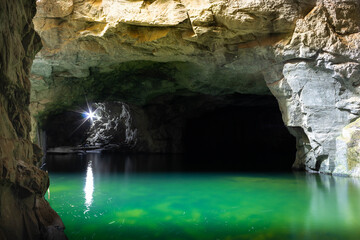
(59,8)
(213,36)
(22,184)
(306,52)
(112,124)
(348,150)
(318,91)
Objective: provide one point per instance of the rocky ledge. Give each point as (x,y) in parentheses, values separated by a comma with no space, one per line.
(304,52)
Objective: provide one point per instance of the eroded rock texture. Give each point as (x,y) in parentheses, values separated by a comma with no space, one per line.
(318,91)
(24,213)
(306,52)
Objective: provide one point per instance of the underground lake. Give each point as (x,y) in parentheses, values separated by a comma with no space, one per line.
(117,196)
(179,119)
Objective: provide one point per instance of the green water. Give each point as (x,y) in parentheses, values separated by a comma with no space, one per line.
(96,204)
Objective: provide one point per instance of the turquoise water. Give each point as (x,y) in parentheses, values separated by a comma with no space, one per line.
(104,204)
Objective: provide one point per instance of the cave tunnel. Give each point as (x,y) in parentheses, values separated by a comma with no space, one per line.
(247,135)
(231,133)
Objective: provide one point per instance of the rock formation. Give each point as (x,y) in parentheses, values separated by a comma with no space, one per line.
(305,52)
(112,123)
(24,213)
(318,91)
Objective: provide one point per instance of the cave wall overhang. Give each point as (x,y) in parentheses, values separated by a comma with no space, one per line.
(305,52)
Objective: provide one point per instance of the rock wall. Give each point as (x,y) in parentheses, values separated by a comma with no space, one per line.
(211,47)
(318,89)
(24,213)
(306,52)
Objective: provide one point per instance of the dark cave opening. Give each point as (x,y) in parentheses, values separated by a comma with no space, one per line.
(231,133)
(67,128)
(247,136)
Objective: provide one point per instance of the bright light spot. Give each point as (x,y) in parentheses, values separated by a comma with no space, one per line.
(89,186)
(90,115)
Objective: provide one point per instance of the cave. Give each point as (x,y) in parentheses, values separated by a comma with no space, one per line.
(155,119)
(238,132)
(249,136)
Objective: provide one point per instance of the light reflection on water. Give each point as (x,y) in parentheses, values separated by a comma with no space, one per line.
(337,198)
(89,186)
(123,204)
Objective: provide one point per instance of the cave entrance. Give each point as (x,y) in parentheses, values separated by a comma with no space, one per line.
(231,133)
(246,135)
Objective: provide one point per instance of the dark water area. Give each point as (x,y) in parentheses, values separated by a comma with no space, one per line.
(153,163)
(114,196)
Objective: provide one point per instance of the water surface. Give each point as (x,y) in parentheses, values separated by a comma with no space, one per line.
(102,197)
